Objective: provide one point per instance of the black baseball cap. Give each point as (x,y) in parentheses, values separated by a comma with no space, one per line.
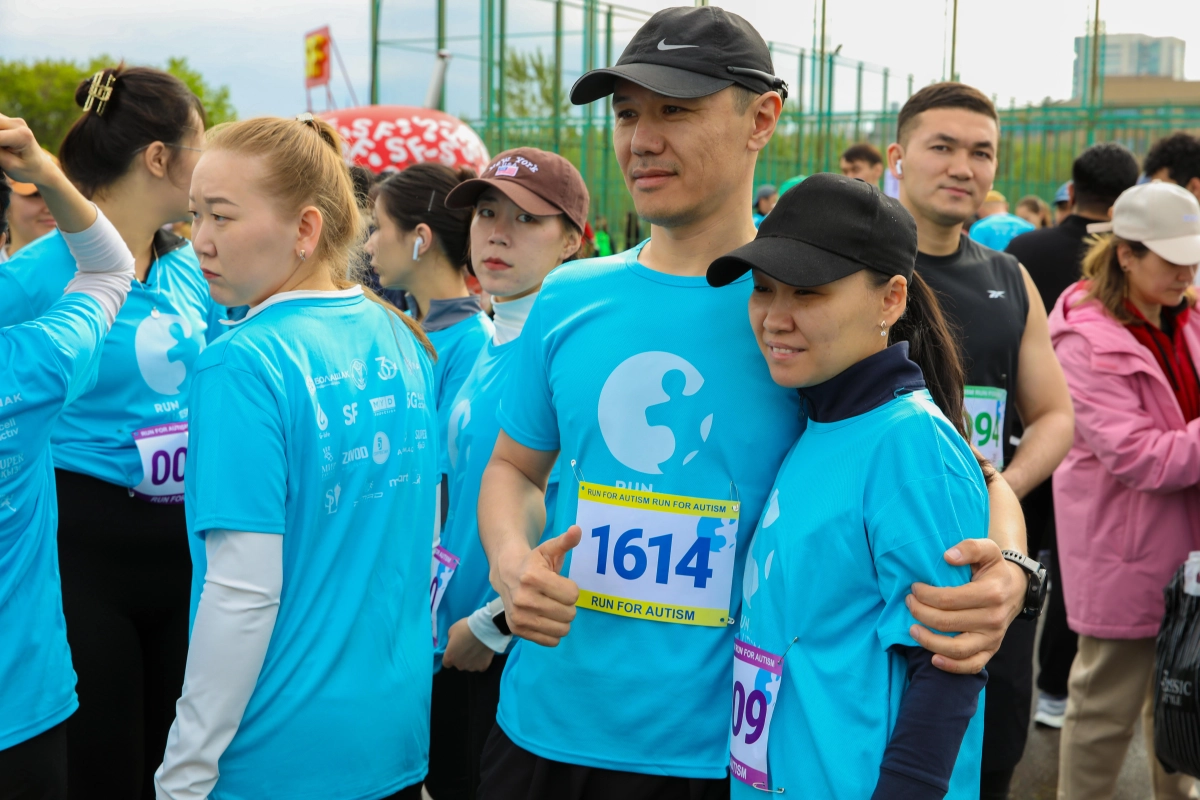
(688,52)
(823,229)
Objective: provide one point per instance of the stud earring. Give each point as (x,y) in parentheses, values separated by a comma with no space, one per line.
(883,328)
(303,257)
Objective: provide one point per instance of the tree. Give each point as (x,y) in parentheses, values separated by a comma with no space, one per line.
(529,87)
(43,93)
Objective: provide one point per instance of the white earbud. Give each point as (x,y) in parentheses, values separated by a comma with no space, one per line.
(899,166)
(417,248)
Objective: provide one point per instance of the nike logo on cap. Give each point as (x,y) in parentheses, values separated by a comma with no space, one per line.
(664,46)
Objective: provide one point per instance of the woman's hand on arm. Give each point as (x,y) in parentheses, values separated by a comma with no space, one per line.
(232,631)
(983,608)
(23,160)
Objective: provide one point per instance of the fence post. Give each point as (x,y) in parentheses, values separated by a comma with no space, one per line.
(375,51)
(883,118)
(800,116)
(558,27)
(502,99)
(605,205)
(858,105)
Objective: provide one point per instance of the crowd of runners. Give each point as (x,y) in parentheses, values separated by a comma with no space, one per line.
(750,508)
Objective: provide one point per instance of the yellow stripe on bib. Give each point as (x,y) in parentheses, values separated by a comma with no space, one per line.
(652,501)
(658,612)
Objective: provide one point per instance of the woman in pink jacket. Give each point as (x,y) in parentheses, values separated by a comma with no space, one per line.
(1126,497)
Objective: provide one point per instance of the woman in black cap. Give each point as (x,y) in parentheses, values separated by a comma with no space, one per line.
(832,695)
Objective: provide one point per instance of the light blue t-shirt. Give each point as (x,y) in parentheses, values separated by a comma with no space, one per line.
(997,230)
(469,443)
(312,419)
(862,508)
(146,365)
(653,382)
(457,348)
(44,364)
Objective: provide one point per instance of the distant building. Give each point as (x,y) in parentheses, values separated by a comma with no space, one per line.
(1128,55)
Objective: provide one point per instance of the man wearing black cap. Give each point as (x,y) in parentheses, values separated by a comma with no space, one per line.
(945,160)
(649,384)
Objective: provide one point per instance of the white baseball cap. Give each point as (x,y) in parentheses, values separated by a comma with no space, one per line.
(1160,215)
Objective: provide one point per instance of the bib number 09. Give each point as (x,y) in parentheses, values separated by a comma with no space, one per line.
(693,564)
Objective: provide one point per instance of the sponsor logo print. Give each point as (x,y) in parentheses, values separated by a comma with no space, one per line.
(399,480)
(995,294)
(6,502)
(322,381)
(11,465)
(322,420)
(163,408)
(351,413)
(387,368)
(662,45)
(331,499)
(383,405)
(8,429)
(355,454)
(380,448)
(10,399)
(358,372)
(416,400)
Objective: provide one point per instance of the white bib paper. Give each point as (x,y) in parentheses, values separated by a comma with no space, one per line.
(163,449)
(444,564)
(757,676)
(985,421)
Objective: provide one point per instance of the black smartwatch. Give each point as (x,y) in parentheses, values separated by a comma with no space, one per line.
(1035,595)
(502,624)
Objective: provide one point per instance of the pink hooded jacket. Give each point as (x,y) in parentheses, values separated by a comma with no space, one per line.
(1126,499)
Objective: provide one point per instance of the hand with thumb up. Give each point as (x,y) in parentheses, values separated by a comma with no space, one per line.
(539,603)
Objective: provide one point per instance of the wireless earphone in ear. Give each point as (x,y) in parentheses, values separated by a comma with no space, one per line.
(899,166)
(417,248)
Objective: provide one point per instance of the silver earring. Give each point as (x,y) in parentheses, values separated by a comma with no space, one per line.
(303,257)
(883,328)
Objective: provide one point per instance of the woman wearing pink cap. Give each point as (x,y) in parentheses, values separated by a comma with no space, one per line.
(1127,500)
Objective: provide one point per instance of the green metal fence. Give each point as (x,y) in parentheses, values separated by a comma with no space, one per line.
(834,102)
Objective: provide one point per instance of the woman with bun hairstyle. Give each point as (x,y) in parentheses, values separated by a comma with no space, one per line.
(120,450)
(524,224)
(421,247)
(833,697)
(310,660)
(1127,496)
(44,364)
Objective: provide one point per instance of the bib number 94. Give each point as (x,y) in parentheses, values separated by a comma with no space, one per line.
(984,413)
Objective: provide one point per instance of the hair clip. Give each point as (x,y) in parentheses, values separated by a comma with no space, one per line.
(100,92)
(306,118)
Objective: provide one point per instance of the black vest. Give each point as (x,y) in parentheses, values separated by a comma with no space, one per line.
(983,295)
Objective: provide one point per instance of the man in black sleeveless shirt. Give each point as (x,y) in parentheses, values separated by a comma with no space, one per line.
(945,161)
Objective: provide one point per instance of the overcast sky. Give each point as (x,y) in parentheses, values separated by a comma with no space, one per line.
(1013,49)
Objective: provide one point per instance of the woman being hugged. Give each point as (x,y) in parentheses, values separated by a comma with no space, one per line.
(1126,498)
(833,697)
(310,661)
(120,450)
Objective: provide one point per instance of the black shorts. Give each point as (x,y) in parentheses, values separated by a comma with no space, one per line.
(511,773)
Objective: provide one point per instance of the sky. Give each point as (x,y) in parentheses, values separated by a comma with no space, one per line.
(1018,51)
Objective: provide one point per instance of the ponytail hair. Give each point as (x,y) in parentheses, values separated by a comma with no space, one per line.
(418,195)
(932,346)
(303,166)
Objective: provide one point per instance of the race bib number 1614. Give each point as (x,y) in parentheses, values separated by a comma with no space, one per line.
(653,556)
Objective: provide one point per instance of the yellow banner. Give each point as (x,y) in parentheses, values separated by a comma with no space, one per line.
(651,501)
(658,612)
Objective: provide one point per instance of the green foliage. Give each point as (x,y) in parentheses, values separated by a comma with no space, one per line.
(529,86)
(43,93)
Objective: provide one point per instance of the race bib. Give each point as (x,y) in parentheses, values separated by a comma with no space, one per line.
(163,449)
(757,676)
(655,556)
(444,564)
(985,421)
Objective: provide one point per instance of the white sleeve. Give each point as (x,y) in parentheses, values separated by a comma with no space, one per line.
(105,265)
(485,630)
(233,628)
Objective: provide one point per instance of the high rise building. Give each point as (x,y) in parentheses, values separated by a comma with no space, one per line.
(1129,55)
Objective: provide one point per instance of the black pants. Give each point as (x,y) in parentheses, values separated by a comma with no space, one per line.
(1007,706)
(411,793)
(126,580)
(36,769)
(1056,650)
(462,717)
(512,773)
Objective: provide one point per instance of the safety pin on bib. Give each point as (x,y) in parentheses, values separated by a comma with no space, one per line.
(578,472)
(737,504)
(762,787)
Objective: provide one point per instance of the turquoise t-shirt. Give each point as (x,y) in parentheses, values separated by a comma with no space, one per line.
(341,707)
(997,230)
(469,443)
(457,348)
(44,364)
(649,383)
(136,416)
(862,508)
